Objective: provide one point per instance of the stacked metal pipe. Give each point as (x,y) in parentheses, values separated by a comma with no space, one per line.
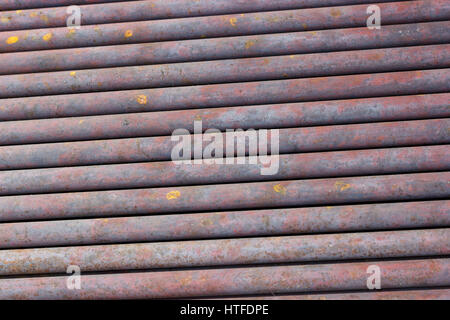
(87,177)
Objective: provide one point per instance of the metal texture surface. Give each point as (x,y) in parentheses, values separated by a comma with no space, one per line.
(357,122)
(248,93)
(291,140)
(258,280)
(402,215)
(254,195)
(163,9)
(291,166)
(204,253)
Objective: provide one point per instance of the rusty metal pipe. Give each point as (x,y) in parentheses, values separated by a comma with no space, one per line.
(259,116)
(420,186)
(292,140)
(163,9)
(221,48)
(429,214)
(264,92)
(235,70)
(233,281)
(168,173)
(427,294)
(24,4)
(207,253)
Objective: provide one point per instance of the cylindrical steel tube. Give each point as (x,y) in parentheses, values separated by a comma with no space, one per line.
(229,47)
(233,281)
(163,9)
(429,214)
(421,186)
(24,4)
(320,138)
(235,70)
(207,253)
(169,173)
(427,294)
(264,92)
(327,138)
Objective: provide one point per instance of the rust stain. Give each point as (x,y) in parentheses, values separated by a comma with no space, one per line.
(128,33)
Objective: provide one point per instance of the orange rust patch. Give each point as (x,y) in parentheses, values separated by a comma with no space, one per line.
(249,44)
(335,13)
(128,33)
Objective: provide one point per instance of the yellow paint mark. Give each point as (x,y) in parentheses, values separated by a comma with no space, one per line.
(313,33)
(128,33)
(5,19)
(292,56)
(279,188)
(242,14)
(105,220)
(233,21)
(249,44)
(12,40)
(81,122)
(73,74)
(19,11)
(47,36)
(44,18)
(71,33)
(141,99)
(341,186)
(329,207)
(335,12)
(33,14)
(98,30)
(173,195)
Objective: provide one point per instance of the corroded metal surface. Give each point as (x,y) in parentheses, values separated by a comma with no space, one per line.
(362,177)
(402,215)
(204,253)
(256,69)
(258,280)
(238,196)
(292,166)
(163,9)
(292,140)
(430,294)
(248,93)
